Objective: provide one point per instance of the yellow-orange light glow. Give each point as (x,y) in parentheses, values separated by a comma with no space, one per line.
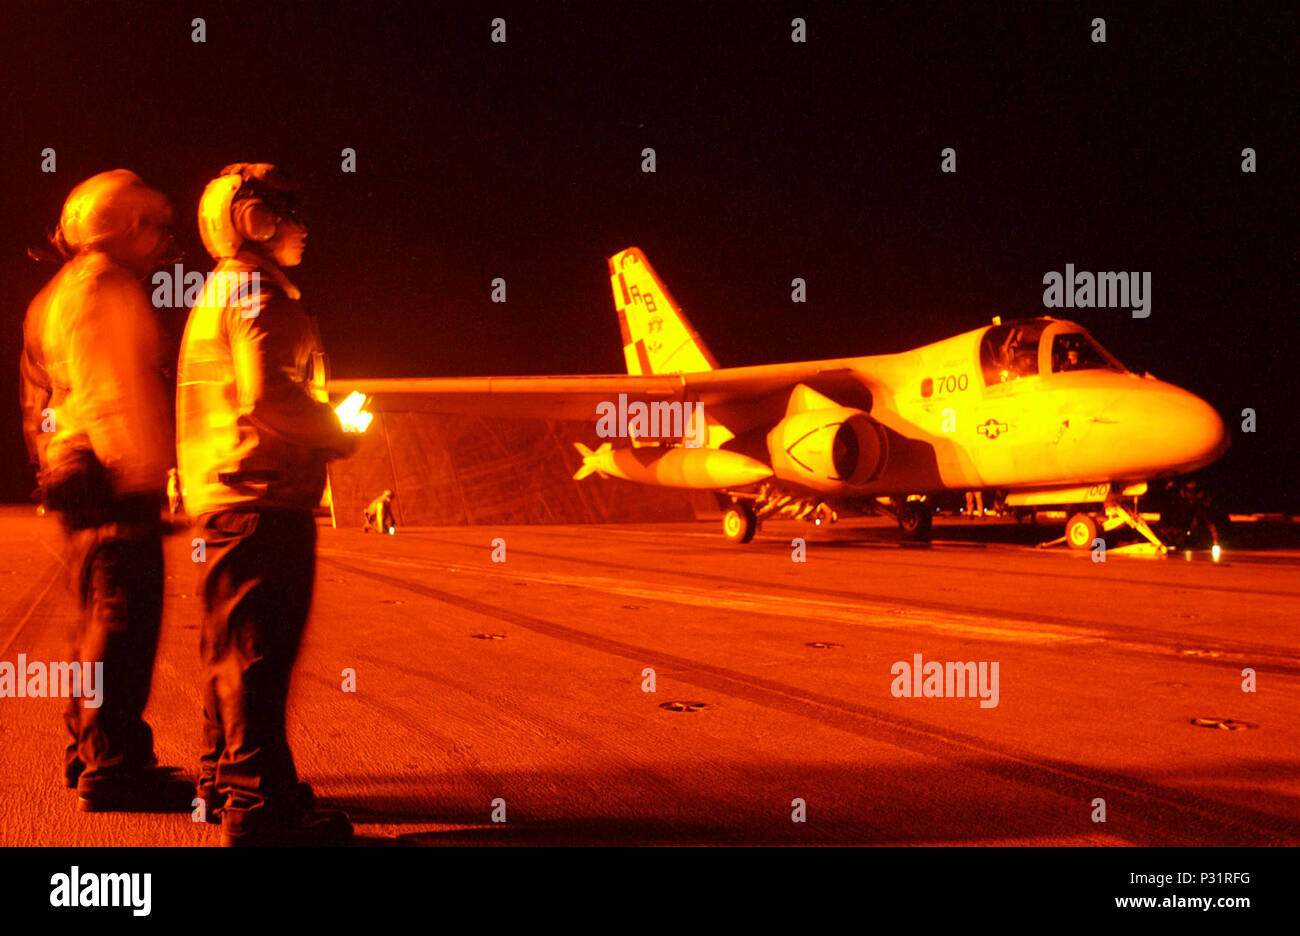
(352,412)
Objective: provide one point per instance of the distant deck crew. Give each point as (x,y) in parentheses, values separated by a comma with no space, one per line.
(379,514)
(174,506)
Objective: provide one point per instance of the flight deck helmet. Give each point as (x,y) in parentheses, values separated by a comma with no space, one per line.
(107,213)
(245,203)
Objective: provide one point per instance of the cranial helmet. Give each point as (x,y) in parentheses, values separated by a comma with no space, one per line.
(107,209)
(245,203)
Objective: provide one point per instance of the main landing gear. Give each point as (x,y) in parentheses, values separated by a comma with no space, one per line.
(739,523)
(747,511)
(914,517)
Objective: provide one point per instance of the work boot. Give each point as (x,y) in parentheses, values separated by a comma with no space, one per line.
(72,772)
(304,798)
(212,801)
(75,767)
(285,826)
(135,789)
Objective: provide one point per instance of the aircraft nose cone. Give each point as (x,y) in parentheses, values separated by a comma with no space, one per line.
(1193,430)
(1158,429)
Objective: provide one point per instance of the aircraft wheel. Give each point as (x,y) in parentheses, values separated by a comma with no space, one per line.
(739,524)
(1080,531)
(914,519)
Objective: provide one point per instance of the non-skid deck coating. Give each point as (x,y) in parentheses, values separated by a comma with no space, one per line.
(518,685)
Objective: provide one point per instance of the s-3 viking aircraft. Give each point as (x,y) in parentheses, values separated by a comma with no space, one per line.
(1034,407)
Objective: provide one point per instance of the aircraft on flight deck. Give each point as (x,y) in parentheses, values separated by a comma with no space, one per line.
(1034,407)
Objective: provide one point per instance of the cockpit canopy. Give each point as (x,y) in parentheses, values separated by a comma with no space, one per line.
(1031,347)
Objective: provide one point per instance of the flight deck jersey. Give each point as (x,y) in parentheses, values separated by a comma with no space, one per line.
(250,432)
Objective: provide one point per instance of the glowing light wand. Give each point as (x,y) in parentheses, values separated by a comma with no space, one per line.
(353,414)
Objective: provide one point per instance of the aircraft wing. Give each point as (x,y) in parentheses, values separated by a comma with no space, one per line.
(521,397)
(576,397)
(667,361)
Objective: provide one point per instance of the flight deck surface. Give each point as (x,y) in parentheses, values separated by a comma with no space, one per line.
(517,688)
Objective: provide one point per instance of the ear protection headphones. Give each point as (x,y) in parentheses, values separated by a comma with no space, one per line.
(253,219)
(244,203)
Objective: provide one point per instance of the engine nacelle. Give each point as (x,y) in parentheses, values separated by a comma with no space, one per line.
(827,449)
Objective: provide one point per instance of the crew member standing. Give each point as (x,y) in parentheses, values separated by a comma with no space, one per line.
(97,421)
(253,443)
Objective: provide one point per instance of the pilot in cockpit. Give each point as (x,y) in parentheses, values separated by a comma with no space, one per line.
(1013,358)
(1067,353)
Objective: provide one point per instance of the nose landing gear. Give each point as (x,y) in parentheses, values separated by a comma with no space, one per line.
(1082,529)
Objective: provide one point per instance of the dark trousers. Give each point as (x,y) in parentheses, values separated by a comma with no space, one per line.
(117,575)
(257,588)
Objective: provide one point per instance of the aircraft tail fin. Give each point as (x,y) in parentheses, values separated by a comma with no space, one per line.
(657,336)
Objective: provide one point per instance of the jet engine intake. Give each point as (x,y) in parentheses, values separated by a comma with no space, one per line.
(827,449)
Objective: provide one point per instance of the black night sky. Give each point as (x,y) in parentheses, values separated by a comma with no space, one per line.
(775,160)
